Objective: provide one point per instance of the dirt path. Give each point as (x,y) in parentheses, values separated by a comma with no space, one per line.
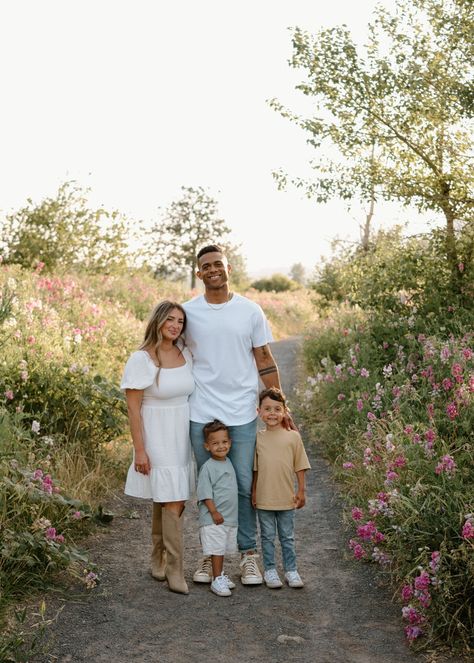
(341,615)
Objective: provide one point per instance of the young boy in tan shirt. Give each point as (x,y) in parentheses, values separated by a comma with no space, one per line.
(279,456)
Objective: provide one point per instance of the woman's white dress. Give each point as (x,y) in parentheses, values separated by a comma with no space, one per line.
(165,417)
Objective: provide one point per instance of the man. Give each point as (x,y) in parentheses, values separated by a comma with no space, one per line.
(228,336)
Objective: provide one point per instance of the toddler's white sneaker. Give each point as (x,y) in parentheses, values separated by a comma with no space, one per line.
(220,587)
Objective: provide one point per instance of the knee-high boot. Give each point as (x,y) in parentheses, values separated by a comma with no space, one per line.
(158,553)
(173,540)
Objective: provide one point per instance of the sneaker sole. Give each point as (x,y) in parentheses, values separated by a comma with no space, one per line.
(274,586)
(251,581)
(202,579)
(220,593)
(298,586)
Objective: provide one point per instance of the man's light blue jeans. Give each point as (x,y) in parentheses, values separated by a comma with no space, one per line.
(241,455)
(284,523)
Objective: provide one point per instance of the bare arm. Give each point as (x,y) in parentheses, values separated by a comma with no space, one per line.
(300,498)
(134,403)
(270,376)
(216,516)
(254,489)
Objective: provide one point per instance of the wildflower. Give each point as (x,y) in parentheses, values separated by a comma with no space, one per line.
(50,533)
(59,538)
(348,466)
(400,461)
(357,514)
(413,632)
(385,345)
(467,354)
(447,465)
(461,267)
(371,416)
(435,561)
(367,531)
(341,397)
(412,615)
(9,395)
(90,579)
(422,581)
(396,391)
(77,515)
(408,430)
(387,371)
(446,384)
(35,426)
(430,410)
(407,593)
(445,354)
(364,373)
(360,404)
(24,375)
(456,370)
(41,524)
(391,476)
(31,340)
(38,474)
(468,530)
(452,411)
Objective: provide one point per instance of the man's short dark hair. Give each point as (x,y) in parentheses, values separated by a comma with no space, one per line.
(213,427)
(212,248)
(273,393)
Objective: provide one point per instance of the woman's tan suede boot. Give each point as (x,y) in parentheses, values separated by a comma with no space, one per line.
(158,553)
(173,540)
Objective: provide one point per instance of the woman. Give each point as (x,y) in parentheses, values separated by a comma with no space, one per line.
(157,381)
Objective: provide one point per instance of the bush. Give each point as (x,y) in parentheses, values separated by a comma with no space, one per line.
(275,283)
(395,413)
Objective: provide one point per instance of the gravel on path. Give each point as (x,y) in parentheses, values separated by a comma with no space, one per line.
(342,615)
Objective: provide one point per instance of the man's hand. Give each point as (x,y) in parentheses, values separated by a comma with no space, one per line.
(288,422)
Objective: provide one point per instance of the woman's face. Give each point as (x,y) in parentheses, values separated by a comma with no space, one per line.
(173,326)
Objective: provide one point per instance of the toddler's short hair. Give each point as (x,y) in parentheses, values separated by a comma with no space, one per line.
(213,427)
(273,393)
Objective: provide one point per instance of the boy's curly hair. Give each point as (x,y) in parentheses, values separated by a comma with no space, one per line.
(213,427)
(273,393)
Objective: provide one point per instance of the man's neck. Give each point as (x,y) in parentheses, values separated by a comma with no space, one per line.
(218,296)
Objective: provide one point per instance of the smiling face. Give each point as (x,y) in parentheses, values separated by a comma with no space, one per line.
(218,444)
(213,270)
(173,325)
(271,413)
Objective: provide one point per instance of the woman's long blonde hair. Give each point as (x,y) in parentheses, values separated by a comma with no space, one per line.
(153,337)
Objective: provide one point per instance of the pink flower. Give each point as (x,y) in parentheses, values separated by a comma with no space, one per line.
(360,404)
(348,466)
(456,369)
(359,552)
(371,416)
(367,531)
(31,340)
(452,411)
(38,474)
(430,410)
(413,632)
(50,533)
(357,514)
(407,593)
(430,435)
(77,515)
(400,461)
(9,395)
(435,561)
(391,476)
(422,581)
(447,384)
(341,397)
(364,373)
(59,538)
(447,464)
(408,430)
(461,267)
(467,354)
(468,530)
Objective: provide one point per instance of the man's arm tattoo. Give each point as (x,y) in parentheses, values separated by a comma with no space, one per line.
(267,370)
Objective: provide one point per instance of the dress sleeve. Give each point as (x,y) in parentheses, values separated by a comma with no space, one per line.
(139,372)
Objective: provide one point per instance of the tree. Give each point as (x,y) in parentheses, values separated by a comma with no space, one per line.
(399,114)
(63,232)
(188,223)
(298,273)
(275,283)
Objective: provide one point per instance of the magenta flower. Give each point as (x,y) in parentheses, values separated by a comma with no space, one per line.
(38,474)
(391,476)
(360,404)
(357,514)
(407,593)
(447,464)
(341,397)
(467,354)
(468,530)
(9,395)
(367,531)
(348,466)
(456,370)
(423,581)
(413,632)
(77,515)
(446,384)
(364,373)
(371,416)
(452,411)
(50,533)
(435,561)
(430,435)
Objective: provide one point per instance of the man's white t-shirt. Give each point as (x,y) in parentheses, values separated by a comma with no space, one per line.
(224,369)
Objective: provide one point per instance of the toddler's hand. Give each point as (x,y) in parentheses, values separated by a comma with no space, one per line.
(300,500)
(217,518)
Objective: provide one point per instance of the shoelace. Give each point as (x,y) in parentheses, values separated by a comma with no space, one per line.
(250,565)
(206,565)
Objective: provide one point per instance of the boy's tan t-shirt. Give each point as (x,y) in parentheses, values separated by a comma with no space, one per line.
(278,455)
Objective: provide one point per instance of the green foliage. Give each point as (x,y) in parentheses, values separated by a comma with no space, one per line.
(63,232)
(275,283)
(397,112)
(188,224)
(393,407)
(298,273)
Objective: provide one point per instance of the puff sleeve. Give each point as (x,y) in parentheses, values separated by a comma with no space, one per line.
(139,373)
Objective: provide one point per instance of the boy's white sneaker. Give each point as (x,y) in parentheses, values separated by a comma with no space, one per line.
(250,574)
(230,584)
(293,579)
(220,587)
(203,572)
(272,579)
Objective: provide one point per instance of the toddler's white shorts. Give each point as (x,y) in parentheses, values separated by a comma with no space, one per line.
(218,539)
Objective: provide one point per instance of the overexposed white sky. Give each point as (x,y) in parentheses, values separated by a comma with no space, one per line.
(135,98)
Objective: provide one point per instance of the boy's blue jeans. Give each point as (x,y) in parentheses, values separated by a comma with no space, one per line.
(284,523)
(241,455)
